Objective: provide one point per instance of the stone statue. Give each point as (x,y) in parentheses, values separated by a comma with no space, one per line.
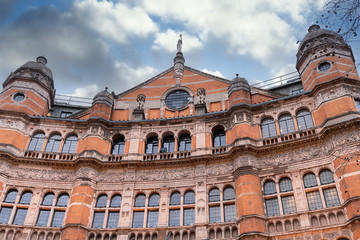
(141,101)
(179,44)
(201,94)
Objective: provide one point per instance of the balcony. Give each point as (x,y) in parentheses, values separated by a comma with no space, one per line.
(50,155)
(289,136)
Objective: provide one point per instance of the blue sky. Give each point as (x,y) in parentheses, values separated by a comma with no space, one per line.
(91,44)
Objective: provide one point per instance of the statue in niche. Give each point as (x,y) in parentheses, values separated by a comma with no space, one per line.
(201,94)
(179,44)
(141,101)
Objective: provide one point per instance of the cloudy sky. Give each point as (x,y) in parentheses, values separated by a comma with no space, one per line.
(91,44)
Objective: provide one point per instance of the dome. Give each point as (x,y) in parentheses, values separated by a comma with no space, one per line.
(239,79)
(238,83)
(39,65)
(103,97)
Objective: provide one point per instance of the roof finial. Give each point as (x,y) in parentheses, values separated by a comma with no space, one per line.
(179,44)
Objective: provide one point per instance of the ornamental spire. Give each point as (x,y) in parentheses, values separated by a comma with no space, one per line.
(179,61)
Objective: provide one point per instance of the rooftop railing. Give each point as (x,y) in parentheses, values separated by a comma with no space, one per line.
(278,81)
(72,100)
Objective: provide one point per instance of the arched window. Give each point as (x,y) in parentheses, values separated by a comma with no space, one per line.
(219,138)
(286,124)
(309,180)
(101,201)
(70,144)
(168,144)
(53,144)
(154,200)
(152,145)
(175,198)
(62,200)
(184,142)
(48,199)
(37,141)
(189,197)
(118,146)
(269,187)
(214,195)
(115,201)
(229,193)
(140,200)
(285,185)
(11,196)
(26,198)
(326,177)
(304,119)
(268,128)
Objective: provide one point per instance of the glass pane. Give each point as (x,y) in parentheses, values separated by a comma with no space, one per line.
(113,219)
(189,197)
(26,198)
(219,138)
(11,196)
(286,124)
(326,177)
(53,144)
(272,207)
(269,187)
(304,120)
(285,185)
(185,142)
(177,99)
(36,142)
(43,218)
(101,201)
(70,144)
(331,197)
(98,221)
(20,216)
(152,145)
(140,200)
(268,128)
(153,217)
(288,204)
(189,216)
(58,219)
(309,180)
(48,199)
(214,214)
(229,213)
(138,219)
(229,193)
(214,195)
(314,200)
(154,199)
(175,198)
(62,200)
(168,144)
(116,201)
(5,215)
(118,147)
(174,219)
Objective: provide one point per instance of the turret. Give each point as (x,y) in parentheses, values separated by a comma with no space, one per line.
(239,91)
(324,56)
(30,89)
(102,105)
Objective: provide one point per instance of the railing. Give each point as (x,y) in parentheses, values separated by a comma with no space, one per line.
(72,100)
(165,156)
(36,233)
(50,155)
(278,81)
(289,136)
(115,158)
(219,150)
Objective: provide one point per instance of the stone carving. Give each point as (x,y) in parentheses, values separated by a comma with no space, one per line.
(141,101)
(179,44)
(165,174)
(327,95)
(29,85)
(201,94)
(248,117)
(240,117)
(219,169)
(14,124)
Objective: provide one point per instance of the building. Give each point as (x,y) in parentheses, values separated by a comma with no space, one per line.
(186,155)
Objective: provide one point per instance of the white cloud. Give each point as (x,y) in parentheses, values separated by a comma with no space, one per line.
(87,91)
(167,41)
(115,21)
(215,73)
(132,76)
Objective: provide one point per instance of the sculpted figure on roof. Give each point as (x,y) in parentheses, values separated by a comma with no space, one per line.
(179,44)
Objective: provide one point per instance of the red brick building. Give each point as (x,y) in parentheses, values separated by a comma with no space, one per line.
(186,155)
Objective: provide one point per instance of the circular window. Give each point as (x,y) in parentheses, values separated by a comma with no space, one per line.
(18,97)
(177,99)
(324,66)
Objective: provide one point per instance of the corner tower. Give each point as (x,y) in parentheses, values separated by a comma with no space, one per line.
(30,89)
(323,56)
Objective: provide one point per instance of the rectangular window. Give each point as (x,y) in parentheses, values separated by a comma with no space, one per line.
(5,215)
(272,207)
(331,197)
(314,200)
(64,114)
(43,218)
(20,216)
(189,216)
(58,219)
(229,213)
(113,220)
(98,221)
(152,219)
(288,204)
(214,214)
(174,218)
(138,219)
